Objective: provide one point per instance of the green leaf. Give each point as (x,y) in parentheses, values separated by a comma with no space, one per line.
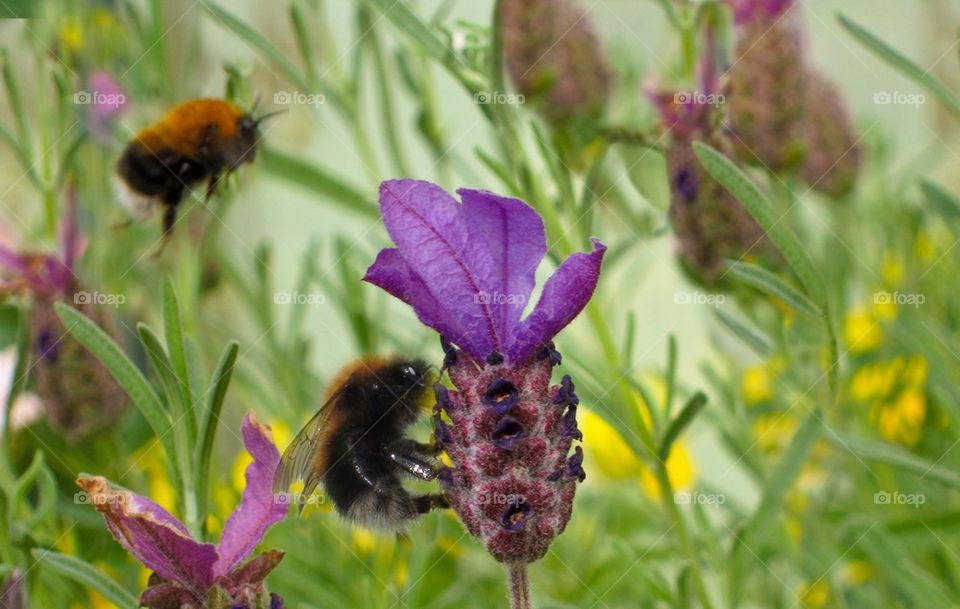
(891,455)
(770,284)
(249,35)
(122,369)
(84,573)
(689,412)
(902,64)
(173,331)
(306,175)
(750,336)
(740,186)
(941,201)
(209,421)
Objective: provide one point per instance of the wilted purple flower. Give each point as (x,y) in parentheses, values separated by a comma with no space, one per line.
(467,270)
(107,101)
(14,593)
(189,574)
(78,393)
(767,80)
(554,57)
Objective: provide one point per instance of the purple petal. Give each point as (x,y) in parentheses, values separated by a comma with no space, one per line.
(152,535)
(564,296)
(257,511)
(391,273)
(432,236)
(13,595)
(514,235)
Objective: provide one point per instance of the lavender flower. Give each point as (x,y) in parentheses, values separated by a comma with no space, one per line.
(767,80)
(78,393)
(108,102)
(833,156)
(554,58)
(467,270)
(189,574)
(711,225)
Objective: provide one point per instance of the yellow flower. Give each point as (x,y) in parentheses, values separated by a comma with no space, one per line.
(71,34)
(815,595)
(756,385)
(363,541)
(857,572)
(774,431)
(902,419)
(924,247)
(608,452)
(161,489)
(680,471)
(861,331)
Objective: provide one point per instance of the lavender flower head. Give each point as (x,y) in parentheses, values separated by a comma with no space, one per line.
(188,574)
(467,270)
(78,393)
(108,102)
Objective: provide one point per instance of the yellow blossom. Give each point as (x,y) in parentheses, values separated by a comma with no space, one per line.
(901,420)
(861,331)
(608,452)
(924,247)
(774,431)
(815,595)
(757,385)
(857,572)
(680,472)
(891,270)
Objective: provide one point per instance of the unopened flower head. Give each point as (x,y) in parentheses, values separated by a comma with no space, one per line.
(554,57)
(767,79)
(508,432)
(188,574)
(834,155)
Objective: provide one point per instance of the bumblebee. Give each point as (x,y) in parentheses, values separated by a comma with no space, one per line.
(357,446)
(198,140)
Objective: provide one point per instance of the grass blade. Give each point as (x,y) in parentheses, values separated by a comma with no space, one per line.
(311,177)
(770,284)
(679,424)
(84,573)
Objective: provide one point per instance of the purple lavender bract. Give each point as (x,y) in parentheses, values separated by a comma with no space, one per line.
(188,573)
(467,270)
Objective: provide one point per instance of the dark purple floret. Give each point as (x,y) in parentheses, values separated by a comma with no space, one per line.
(47,345)
(570,428)
(449,354)
(550,351)
(515,516)
(442,395)
(441,429)
(501,395)
(686,184)
(508,433)
(566,396)
(575,465)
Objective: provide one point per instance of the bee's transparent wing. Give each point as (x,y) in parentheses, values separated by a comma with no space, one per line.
(300,460)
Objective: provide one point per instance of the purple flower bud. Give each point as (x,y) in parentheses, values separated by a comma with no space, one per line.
(508,433)
(833,156)
(501,395)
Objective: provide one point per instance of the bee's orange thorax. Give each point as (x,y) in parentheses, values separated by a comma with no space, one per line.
(185,125)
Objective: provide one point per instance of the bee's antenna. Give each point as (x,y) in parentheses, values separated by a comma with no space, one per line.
(268,115)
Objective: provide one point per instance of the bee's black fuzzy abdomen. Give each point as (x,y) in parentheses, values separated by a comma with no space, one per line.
(164,176)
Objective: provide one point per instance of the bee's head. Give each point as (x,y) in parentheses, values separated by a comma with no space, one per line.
(408,380)
(249,133)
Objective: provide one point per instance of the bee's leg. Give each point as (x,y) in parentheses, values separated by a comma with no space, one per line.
(415,466)
(212,185)
(169,219)
(428,503)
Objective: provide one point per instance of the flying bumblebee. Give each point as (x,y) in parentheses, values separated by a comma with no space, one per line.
(196,141)
(356,445)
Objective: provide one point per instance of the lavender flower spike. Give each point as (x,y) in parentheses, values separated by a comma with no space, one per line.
(467,270)
(190,574)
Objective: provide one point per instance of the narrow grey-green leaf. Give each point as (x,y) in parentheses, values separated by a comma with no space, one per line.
(677,426)
(770,284)
(307,175)
(902,64)
(84,573)
(882,452)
